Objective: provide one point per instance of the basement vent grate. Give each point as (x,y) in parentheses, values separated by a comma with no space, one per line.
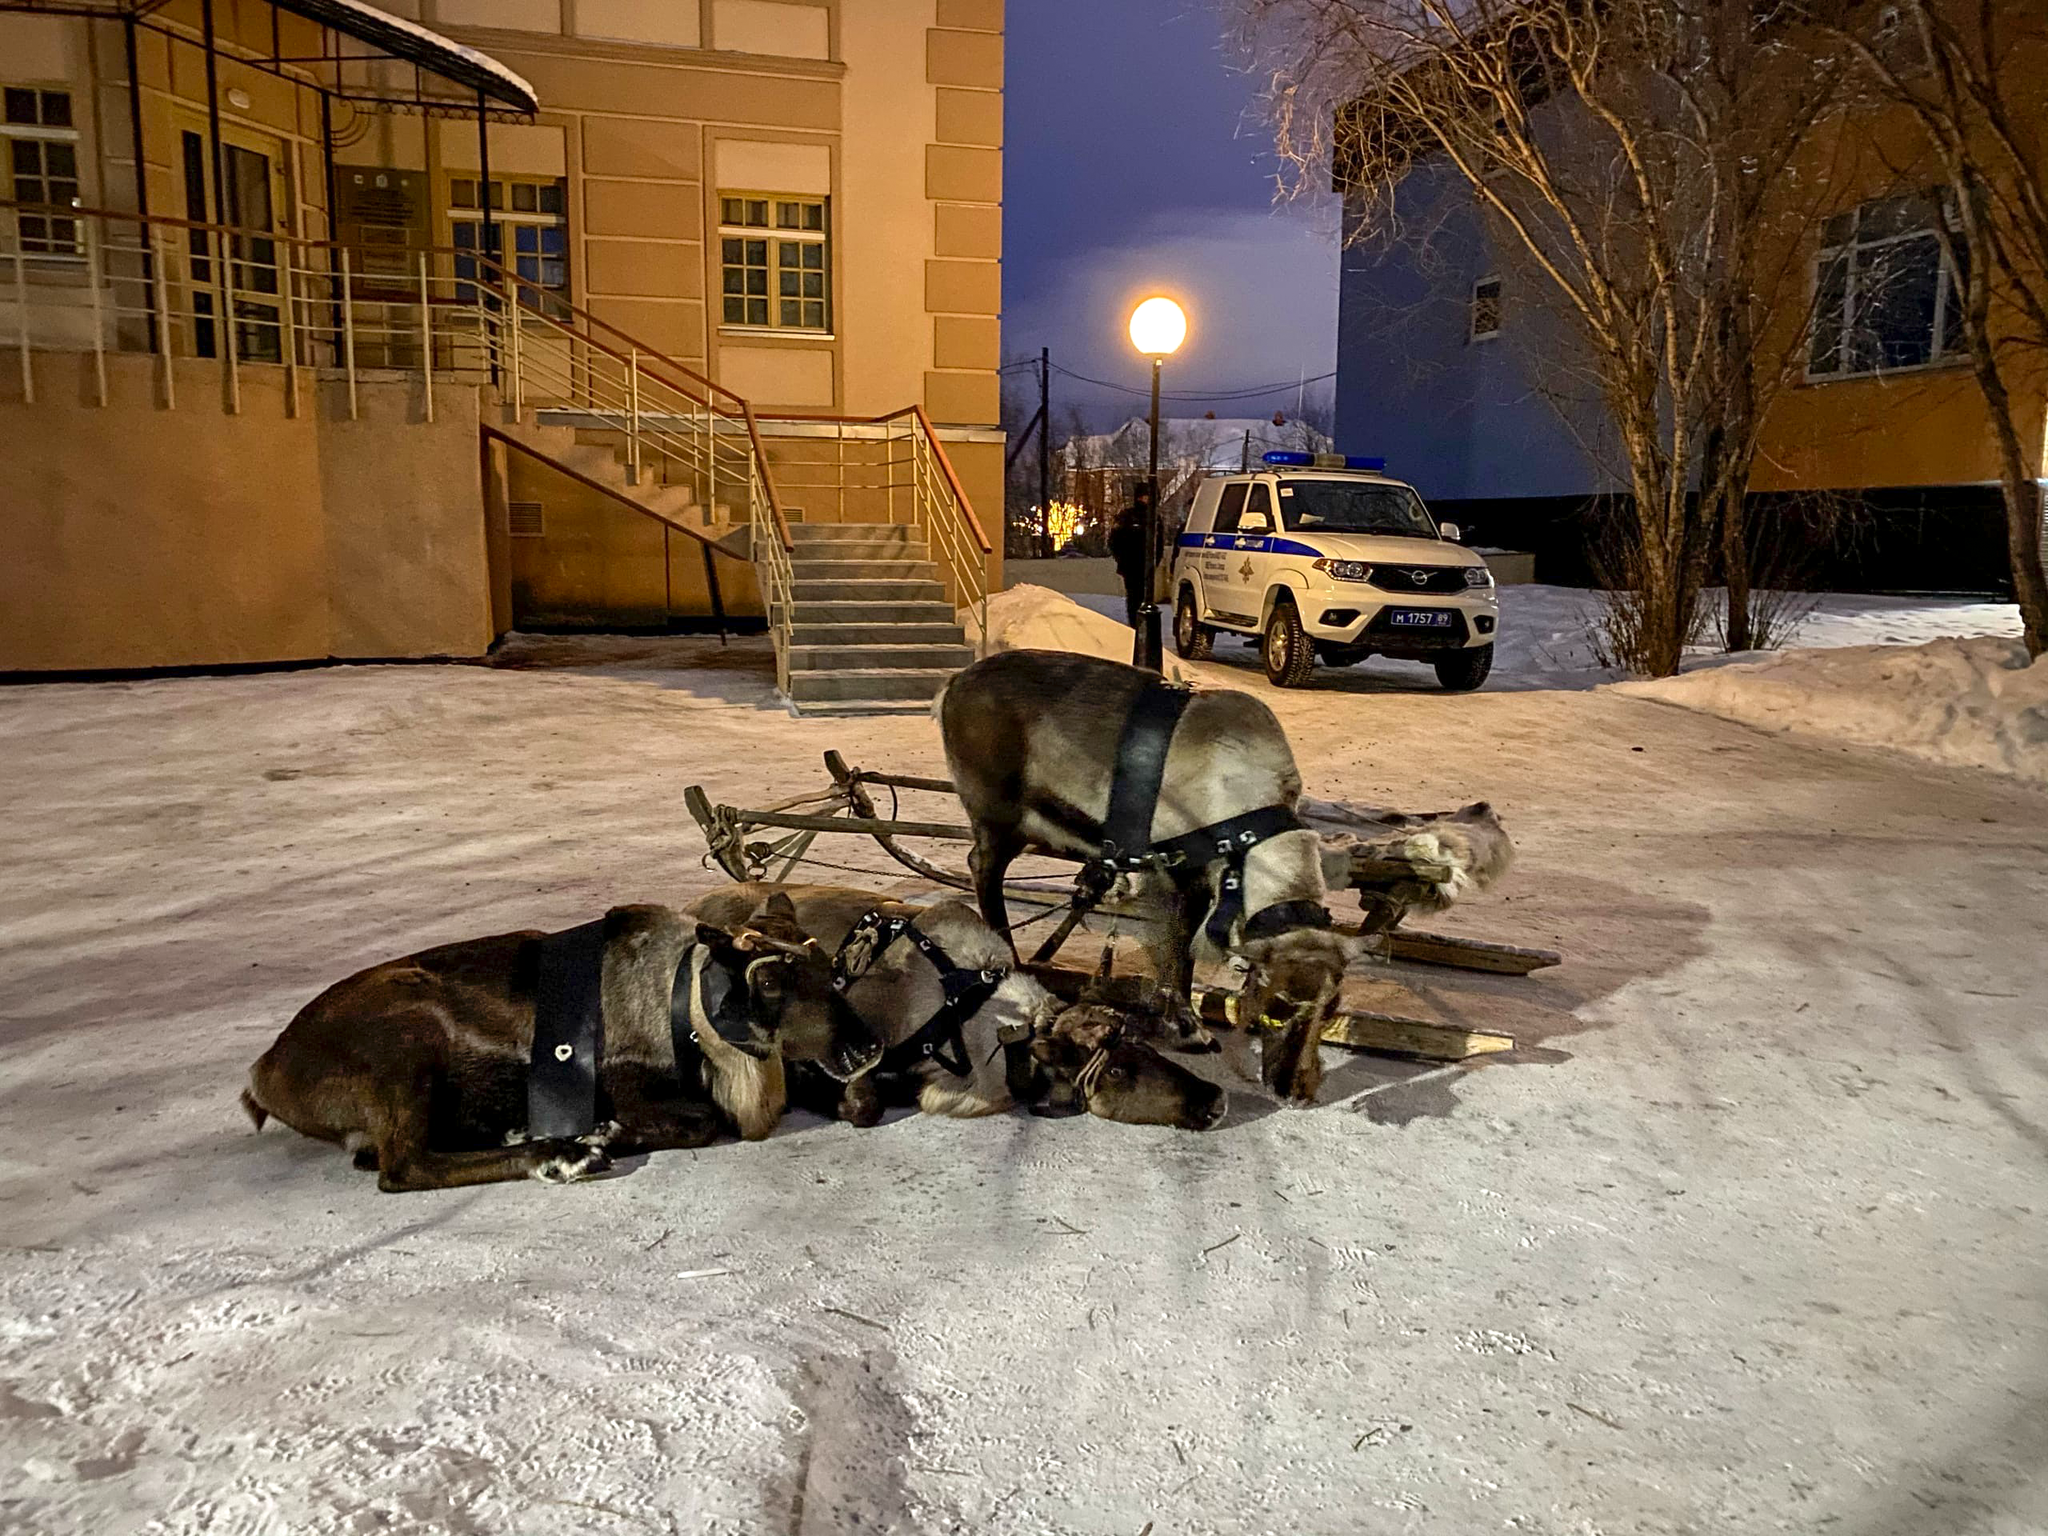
(526,520)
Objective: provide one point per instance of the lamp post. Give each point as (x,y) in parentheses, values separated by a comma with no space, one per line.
(1158,327)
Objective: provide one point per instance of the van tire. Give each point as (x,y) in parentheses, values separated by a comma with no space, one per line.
(1285,647)
(1192,639)
(1463,671)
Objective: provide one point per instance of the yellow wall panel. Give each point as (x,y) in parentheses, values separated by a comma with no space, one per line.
(957,174)
(631,146)
(970,117)
(963,287)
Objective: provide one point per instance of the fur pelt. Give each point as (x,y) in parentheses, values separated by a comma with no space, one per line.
(1471,841)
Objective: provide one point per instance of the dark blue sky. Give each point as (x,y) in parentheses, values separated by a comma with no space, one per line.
(1136,162)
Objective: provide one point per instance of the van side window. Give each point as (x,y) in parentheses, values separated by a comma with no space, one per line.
(1262,501)
(1230,508)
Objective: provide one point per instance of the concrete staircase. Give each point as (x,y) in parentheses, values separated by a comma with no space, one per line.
(600,456)
(871,632)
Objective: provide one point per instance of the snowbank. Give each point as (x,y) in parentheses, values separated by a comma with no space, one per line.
(1974,703)
(1028,618)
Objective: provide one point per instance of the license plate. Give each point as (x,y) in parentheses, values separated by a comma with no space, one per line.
(1421,618)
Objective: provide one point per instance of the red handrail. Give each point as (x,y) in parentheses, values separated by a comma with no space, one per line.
(953,480)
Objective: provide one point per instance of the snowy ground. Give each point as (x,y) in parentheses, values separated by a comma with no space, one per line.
(1546,634)
(1746,1237)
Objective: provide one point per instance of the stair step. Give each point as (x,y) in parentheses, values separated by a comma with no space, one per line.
(882,590)
(867,683)
(828,707)
(862,570)
(867,613)
(881,654)
(829,533)
(881,632)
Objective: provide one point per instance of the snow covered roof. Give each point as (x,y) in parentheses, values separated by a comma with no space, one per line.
(408,40)
(1220,440)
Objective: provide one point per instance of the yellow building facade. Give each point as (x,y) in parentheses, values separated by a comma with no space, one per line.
(780,217)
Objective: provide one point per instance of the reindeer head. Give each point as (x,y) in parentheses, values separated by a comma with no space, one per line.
(1090,1063)
(1294,976)
(790,1006)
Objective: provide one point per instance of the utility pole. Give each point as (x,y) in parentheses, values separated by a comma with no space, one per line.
(1045,450)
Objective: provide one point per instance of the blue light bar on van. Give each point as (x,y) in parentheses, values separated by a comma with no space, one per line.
(1326,460)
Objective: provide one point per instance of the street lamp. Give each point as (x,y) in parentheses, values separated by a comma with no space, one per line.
(1158,327)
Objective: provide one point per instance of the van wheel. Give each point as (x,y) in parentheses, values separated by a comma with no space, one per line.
(1191,637)
(1462,671)
(1285,647)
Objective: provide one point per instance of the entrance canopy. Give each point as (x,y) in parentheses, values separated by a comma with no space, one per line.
(446,78)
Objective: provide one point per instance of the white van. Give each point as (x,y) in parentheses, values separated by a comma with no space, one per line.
(1319,555)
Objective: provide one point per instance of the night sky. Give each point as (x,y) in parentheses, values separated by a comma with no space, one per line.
(1136,162)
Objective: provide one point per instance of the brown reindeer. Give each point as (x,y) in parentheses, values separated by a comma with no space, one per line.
(1035,743)
(420,1066)
(1083,1057)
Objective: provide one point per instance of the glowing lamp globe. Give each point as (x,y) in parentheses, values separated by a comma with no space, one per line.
(1158,327)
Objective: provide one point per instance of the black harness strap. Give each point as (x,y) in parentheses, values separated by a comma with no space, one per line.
(1140,770)
(568,1034)
(1228,842)
(939,1038)
(725,1003)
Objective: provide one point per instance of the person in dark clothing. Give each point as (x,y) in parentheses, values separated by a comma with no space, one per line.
(1129,544)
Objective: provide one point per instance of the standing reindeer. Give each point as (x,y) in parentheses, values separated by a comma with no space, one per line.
(1192,794)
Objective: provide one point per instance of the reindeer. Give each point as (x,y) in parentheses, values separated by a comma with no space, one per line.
(1017,1041)
(420,1067)
(1036,744)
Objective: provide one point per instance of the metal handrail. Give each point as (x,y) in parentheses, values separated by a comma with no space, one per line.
(938,502)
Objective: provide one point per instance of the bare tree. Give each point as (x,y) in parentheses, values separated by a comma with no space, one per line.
(1973,76)
(1627,157)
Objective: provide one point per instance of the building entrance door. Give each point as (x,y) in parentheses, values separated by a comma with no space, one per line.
(256,197)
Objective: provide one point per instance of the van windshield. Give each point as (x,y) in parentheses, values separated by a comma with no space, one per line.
(1351,506)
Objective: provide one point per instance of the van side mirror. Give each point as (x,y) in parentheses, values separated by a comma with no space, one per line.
(1450,531)
(1255,522)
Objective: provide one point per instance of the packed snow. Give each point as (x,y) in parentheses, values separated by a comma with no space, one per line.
(1745,1236)
(1927,676)
(1978,703)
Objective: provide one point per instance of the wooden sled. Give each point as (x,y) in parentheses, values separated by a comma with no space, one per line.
(1373,853)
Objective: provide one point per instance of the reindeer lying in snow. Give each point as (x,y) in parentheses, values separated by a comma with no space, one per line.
(423,1067)
(1191,794)
(1008,1040)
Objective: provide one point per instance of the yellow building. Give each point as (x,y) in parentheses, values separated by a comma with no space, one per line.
(541,311)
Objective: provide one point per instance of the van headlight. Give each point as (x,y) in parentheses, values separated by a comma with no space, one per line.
(1478,576)
(1345,570)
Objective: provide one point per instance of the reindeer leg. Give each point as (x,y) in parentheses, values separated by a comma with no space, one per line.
(651,1123)
(1173,962)
(1291,1059)
(405,1162)
(995,850)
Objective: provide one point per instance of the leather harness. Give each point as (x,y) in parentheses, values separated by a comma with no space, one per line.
(562,1090)
(1127,843)
(966,989)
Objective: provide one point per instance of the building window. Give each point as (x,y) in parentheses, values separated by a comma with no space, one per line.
(533,216)
(1485,308)
(775,262)
(1883,296)
(42,167)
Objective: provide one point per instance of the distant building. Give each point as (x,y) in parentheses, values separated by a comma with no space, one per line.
(1478,391)
(1102,471)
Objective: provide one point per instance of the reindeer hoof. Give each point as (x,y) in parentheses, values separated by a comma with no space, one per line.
(1198,1042)
(1291,1066)
(567,1162)
(861,1105)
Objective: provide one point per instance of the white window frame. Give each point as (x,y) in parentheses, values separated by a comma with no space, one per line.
(37,132)
(1472,331)
(779,237)
(506,219)
(1944,351)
